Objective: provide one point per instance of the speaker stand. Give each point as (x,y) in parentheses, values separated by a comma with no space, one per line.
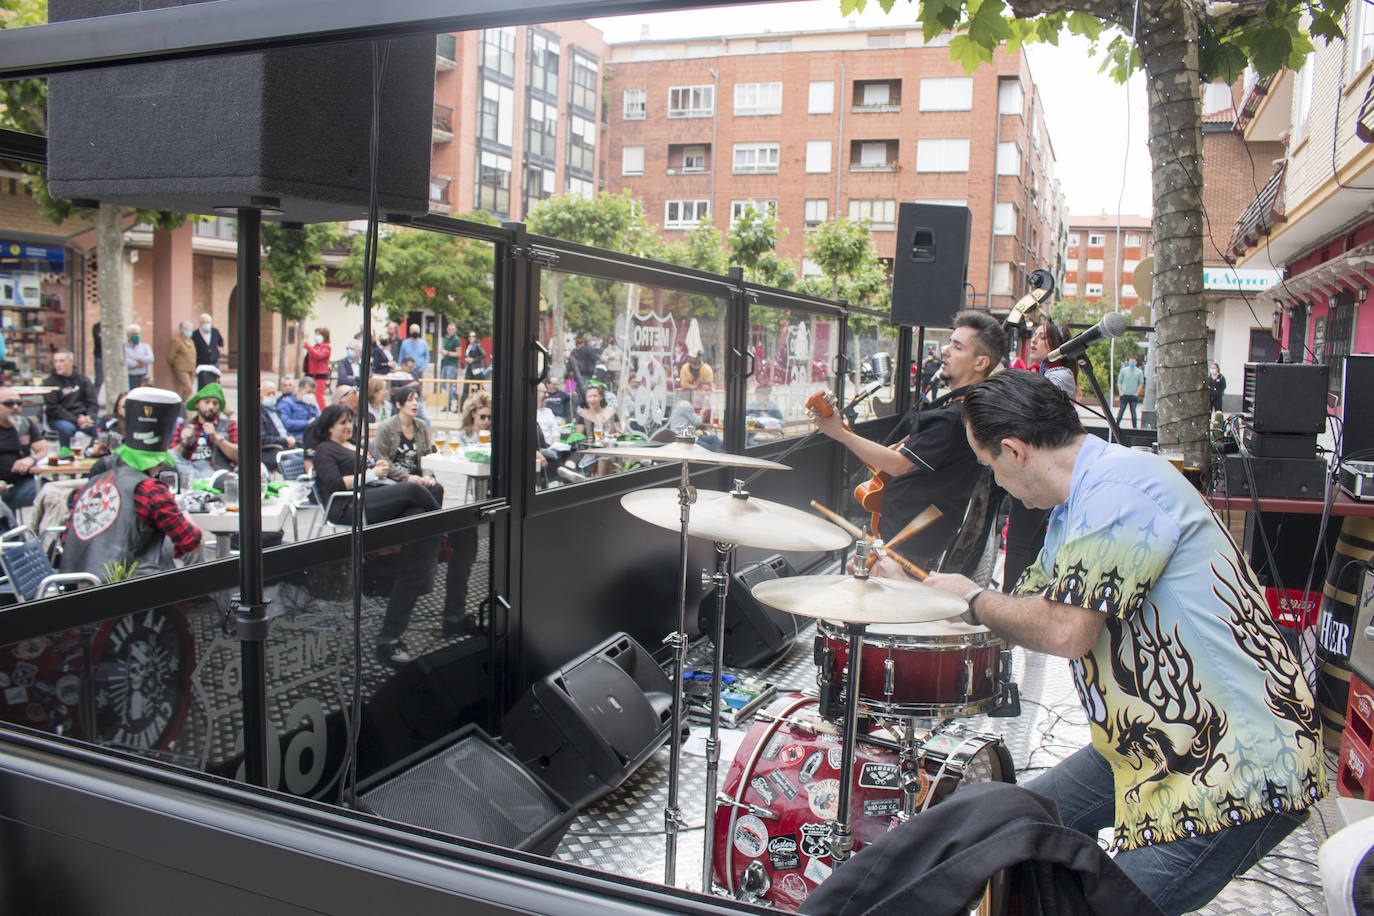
(721,580)
(672,814)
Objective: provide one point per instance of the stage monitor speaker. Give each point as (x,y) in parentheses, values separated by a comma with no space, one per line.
(753,631)
(1286,397)
(468,786)
(930,266)
(288,127)
(587,726)
(1357,426)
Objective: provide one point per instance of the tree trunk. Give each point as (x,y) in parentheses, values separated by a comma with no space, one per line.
(557,354)
(1169,49)
(281,351)
(109,236)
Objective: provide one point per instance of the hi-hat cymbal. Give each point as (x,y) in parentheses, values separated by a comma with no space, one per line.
(743,520)
(684,450)
(850,599)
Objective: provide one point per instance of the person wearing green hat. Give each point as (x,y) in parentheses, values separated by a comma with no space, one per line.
(208,440)
(126,513)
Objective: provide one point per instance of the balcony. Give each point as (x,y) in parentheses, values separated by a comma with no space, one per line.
(689,158)
(438,194)
(443,123)
(874,156)
(445,51)
(875,96)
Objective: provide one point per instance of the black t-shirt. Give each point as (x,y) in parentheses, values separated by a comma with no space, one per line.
(944,475)
(406,458)
(15,441)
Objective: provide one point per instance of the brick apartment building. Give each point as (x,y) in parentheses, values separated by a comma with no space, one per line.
(1102,247)
(839,123)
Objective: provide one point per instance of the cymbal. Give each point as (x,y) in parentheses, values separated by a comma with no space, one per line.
(684,450)
(850,599)
(743,520)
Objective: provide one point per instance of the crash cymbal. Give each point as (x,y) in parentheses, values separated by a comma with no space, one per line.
(850,599)
(683,450)
(739,519)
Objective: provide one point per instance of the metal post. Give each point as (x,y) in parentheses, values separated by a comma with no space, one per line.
(842,839)
(721,580)
(672,815)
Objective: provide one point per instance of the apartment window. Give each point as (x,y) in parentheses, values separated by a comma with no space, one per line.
(1009,97)
(772,45)
(758,98)
(1004,219)
(817,156)
(685,214)
(882,41)
(540,184)
(943,155)
(694,158)
(1095,264)
(495,120)
(1001,279)
(1073,239)
(1134,239)
(581,144)
(541,136)
(498,50)
(762,206)
(881,214)
(632,160)
(1302,99)
(878,95)
(873,155)
(581,187)
(952,93)
(820,97)
(691,101)
(1360,36)
(493,183)
(584,74)
(817,211)
(1096,238)
(634,104)
(1069,289)
(543,55)
(756,157)
(1092,289)
(1008,159)
(651,52)
(703,49)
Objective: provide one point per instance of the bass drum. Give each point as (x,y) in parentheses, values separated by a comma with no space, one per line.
(785,785)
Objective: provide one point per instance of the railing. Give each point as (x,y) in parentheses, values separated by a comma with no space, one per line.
(443,119)
(446,50)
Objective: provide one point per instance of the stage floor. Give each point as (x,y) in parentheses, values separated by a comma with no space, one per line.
(623,832)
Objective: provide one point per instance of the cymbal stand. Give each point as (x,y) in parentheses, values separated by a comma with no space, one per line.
(672,814)
(721,580)
(841,838)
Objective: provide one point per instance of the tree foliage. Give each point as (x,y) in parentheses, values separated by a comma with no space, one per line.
(1107,359)
(753,241)
(844,252)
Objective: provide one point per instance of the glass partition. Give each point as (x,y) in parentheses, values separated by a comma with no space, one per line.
(872,351)
(632,364)
(794,356)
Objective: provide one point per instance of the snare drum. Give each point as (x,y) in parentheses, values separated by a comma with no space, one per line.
(927,670)
(788,769)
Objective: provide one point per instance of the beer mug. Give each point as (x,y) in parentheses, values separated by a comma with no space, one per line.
(484,436)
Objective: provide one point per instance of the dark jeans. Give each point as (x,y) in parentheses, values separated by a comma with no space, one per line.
(65,429)
(1128,400)
(21,493)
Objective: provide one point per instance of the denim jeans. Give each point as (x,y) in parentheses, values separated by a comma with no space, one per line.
(21,493)
(65,429)
(1127,400)
(450,372)
(1179,876)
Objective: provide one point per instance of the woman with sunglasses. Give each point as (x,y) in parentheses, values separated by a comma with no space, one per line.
(476,418)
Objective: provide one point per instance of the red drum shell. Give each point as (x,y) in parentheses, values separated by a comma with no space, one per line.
(945,668)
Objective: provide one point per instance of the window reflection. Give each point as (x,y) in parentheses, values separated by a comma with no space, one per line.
(872,351)
(794,355)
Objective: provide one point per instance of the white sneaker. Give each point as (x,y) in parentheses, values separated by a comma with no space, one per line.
(570,475)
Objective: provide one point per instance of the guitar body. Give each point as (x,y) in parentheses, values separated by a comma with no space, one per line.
(868,494)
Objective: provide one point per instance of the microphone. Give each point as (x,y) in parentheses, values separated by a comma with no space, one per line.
(1113,324)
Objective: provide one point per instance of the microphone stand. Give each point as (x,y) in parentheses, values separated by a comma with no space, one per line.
(1086,365)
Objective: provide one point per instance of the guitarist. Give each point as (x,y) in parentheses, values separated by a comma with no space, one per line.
(928,457)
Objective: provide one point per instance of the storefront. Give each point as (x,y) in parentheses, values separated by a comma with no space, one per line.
(37,285)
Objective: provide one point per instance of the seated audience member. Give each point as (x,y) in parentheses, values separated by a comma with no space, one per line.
(402,441)
(346,395)
(21,448)
(599,423)
(275,435)
(298,409)
(349,370)
(761,404)
(476,419)
(109,431)
(125,513)
(684,420)
(337,466)
(207,440)
(72,405)
(556,399)
(409,368)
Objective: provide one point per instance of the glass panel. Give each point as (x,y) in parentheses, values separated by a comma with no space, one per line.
(872,352)
(165,682)
(794,355)
(638,362)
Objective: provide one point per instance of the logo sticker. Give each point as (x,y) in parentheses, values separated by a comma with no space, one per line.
(751,838)
(782,853)
(69,690)
(835,757)
(16,695)
(25,673)
(774,745)
(817,870)
(815,840)
(813,763)
(791,754)
(793,886)
(879,776)
(881,807)
(763,790)
(824,798)
(96,509)
(785,785)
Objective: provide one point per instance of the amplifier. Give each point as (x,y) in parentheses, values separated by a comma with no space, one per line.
(1357,479)
(1277,478)
(1286,397)
(1281,445)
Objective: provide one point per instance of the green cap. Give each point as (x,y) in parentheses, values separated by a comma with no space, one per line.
(212,390)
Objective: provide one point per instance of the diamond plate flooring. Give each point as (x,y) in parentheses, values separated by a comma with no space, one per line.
(623,833)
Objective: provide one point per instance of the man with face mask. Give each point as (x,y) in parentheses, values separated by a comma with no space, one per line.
(275,435)
(209,342)
(207,440)
(1130,382)
(417,349)
(349,370)
(138,357)
(181,358)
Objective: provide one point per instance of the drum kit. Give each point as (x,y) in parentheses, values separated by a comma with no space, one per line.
(786,811)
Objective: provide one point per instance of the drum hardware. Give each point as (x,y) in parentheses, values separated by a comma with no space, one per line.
(756,810)
(877,547)
(842,837)
(721,580)
(753,884)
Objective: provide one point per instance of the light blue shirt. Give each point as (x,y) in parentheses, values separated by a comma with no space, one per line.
(418,350)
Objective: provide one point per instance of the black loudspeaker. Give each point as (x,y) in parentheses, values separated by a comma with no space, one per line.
(753,631)
(1357,426)
(1276,478)
(468,786)
(931,264)
(585,728)
(289,125)
(1285,397)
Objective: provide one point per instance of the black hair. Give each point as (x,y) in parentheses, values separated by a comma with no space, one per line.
(991,340)
(330,417)
(399,396)
(1055,335)
(1018,404)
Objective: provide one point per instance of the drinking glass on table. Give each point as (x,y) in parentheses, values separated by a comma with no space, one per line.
(440,441)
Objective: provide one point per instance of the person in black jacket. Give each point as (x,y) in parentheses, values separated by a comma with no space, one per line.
(72,403)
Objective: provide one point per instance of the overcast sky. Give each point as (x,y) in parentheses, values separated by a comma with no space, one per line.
(1101,153)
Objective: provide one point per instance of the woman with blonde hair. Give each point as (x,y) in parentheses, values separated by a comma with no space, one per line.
(476,417)
(377,408)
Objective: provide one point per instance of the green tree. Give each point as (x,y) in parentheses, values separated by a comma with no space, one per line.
(753,244)
(295,273)
(702,249)
(1107,359)
(844,252)
(1179,45)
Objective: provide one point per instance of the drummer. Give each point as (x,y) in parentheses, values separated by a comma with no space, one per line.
(927,455)
(1205,749)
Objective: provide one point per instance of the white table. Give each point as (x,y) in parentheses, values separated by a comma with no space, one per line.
(477,473)
(223,525)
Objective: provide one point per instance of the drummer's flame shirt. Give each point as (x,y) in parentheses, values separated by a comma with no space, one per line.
(1192,694)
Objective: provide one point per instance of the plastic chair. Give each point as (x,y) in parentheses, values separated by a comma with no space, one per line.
(325,506)
(28,572)
(291,463)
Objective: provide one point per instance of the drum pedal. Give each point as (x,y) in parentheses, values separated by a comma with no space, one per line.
(1009,707)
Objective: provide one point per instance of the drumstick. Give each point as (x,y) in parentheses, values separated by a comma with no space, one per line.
(901,561)
(838,520)
(930,516)
(906,564)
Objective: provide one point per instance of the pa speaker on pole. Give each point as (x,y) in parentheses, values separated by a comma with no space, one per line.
(930,265)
